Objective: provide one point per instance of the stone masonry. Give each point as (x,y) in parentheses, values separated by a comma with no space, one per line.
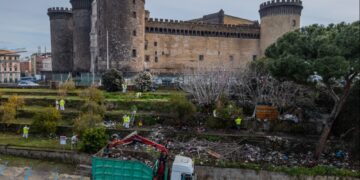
(122,35)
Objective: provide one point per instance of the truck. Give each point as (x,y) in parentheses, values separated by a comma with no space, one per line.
(104,167)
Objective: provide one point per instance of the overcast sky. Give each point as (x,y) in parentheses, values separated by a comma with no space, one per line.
(24,23)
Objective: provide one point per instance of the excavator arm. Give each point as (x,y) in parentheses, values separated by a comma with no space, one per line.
(134,137)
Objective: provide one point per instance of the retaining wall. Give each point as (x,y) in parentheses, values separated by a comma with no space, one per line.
(55,155)
(211,173)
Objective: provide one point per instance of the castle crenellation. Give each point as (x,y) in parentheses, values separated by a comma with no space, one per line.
(122,35)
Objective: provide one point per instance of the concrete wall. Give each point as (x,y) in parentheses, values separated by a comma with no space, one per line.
(175,53)
(211,173)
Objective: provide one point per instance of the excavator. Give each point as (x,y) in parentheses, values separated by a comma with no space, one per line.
(182,167)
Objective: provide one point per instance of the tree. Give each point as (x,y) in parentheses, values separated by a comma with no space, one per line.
(324,58)
(10,108)
(183,110)
(255,85)
(143,81)
(207,85)
(93,140)
(112,80)
(93,94)
(46,122)
(67,86)
(86,121)
(92,111)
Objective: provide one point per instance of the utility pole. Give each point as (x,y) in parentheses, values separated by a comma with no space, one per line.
(107,50)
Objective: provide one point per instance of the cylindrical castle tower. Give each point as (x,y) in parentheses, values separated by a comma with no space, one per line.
(82,28)
(277,18)
(121,35)
(61,26)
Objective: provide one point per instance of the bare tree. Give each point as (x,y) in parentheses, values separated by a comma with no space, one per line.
(256,86)
(207,85)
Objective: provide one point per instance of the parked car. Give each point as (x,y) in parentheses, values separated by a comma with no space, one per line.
(27,84)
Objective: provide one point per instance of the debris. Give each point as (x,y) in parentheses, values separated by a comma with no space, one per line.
(214,154)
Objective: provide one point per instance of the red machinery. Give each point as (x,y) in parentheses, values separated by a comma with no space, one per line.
(134,137)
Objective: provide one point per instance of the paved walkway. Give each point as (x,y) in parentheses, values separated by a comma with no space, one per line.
(20,173)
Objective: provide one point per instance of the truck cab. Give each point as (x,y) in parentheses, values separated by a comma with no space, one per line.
(182,169)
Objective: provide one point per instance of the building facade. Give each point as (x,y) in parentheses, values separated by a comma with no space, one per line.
(110,34)
(26,68)
(9,67)
(41,63)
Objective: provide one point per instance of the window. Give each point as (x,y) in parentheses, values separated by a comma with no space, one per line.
(147,58)
(294,23)
(231,58)
(146,45)
(134,14)
(163,53)
(156,59)
(155,53)
(134,53)
(134,33)
(134,1)
(201,57)
(254,57)
(155,43)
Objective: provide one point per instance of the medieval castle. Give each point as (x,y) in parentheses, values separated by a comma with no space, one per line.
(96,35)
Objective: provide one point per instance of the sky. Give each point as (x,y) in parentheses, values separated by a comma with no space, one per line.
(25,24)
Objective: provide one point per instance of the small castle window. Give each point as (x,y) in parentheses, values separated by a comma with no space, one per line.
(147,58)
(156,59)
(134,14)
(146,45)
(155,43)
(163,53)
(201,57)
(294,23)
(254,57)
(155,52)
(231,57)
(134,33)
(134,1)
(134,54)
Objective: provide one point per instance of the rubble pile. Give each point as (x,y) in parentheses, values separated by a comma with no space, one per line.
(274,151)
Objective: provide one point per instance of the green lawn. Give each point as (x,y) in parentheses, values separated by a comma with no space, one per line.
(34,142)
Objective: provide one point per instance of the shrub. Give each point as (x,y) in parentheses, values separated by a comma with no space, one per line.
(46,122)
(9,114)
(91,107)
(64,88)
(10,108)
(86,121)
(226,112)
(112,80)
(93,94)
(93,140)
(16,101)
(183,109)
(143,81)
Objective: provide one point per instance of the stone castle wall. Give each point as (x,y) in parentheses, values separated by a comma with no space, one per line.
(120,28)
(81,34)
(168,53)
(123,33)
(278,18)
(61,27)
